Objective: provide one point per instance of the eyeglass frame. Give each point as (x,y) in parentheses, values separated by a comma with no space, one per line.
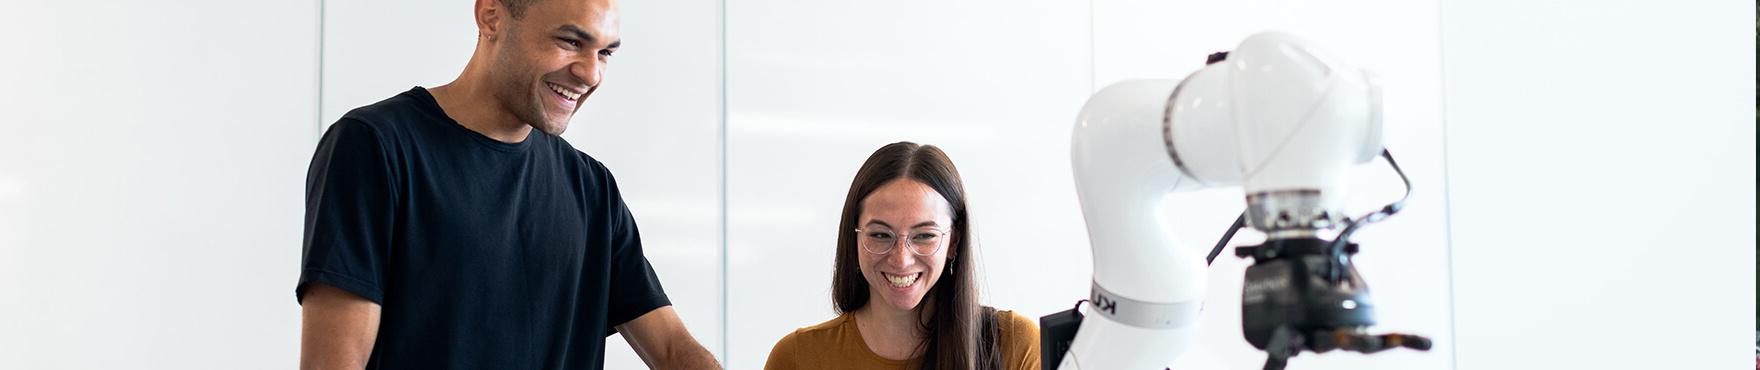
(861,242)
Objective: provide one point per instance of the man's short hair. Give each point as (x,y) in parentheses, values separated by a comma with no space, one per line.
(517,8)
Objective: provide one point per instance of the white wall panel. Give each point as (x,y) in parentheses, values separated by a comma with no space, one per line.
(655,122)
(376,49)
(152,170)
(815,87)
(1601,171)
(1404,259)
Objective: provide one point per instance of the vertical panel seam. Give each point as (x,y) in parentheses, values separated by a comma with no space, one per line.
(1447,185)
(721,65)
(318,94)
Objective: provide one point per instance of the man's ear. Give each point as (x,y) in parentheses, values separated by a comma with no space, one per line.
(489,14)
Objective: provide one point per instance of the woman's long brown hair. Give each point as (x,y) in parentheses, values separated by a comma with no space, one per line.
(961,333)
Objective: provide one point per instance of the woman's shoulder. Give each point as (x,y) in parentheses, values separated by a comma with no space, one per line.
(814,337)
(1020,340)
(832,328)
(810,339)
(1013,323)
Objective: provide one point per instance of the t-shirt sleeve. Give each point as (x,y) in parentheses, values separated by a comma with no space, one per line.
(350,200)
(635,289)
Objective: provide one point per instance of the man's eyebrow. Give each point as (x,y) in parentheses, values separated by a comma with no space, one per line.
(586,36)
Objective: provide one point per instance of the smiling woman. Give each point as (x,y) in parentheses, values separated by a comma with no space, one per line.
(915,305)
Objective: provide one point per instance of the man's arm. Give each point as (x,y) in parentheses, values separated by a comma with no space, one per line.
(663,343)
(338,329)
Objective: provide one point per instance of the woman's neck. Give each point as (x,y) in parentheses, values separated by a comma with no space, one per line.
(892,333)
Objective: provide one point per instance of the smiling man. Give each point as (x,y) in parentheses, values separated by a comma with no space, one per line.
(443,232)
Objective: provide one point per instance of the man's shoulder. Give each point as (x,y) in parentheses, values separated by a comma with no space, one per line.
(570,152)
(395,113)
(590,167)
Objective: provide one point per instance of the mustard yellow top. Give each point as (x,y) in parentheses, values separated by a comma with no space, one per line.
(838,344)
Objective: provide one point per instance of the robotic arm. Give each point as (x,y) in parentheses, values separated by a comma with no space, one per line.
(1275,117)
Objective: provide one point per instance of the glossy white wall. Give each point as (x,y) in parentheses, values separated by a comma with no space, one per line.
(815,87)
(1601,175)
(152,166)
(655,122)
(1404,259)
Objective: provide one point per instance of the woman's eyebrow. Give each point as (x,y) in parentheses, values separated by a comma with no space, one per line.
(918,225)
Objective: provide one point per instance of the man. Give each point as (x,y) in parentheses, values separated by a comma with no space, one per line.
(443,232)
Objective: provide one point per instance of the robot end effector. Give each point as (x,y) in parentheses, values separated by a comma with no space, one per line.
(1273,116)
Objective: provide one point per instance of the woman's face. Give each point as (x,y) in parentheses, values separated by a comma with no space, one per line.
(917,218)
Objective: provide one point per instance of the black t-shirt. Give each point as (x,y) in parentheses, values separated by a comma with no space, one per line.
(481,254)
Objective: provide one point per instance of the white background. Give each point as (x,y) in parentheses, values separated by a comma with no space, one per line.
(1601,166)
(1584,169)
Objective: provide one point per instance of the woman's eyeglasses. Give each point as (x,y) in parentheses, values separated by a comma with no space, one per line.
(880,240)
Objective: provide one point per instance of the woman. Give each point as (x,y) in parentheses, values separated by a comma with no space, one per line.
(903,284)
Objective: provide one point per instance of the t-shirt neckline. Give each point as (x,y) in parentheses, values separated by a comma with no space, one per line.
(431,104)
(863,343)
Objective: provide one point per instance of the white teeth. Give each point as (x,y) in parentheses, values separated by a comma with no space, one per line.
(565,92)
(902,281)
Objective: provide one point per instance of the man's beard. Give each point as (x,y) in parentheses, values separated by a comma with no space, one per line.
(518,99)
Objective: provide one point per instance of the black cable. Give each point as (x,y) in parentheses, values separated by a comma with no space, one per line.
(1337,249)
(1338,244)
(1238,223)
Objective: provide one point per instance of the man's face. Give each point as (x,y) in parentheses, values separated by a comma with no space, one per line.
(548,61)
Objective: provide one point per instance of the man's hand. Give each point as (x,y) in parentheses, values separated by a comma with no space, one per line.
(663,343)
(338,329)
